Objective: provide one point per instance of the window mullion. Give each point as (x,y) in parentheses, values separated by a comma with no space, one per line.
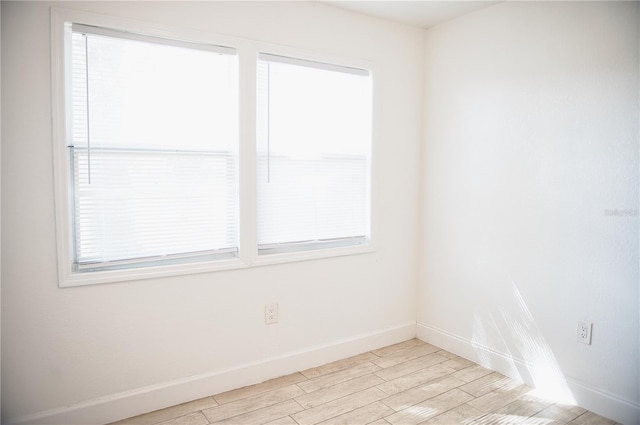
(248,188)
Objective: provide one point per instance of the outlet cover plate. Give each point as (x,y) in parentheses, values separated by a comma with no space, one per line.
(271,313)
(584,332)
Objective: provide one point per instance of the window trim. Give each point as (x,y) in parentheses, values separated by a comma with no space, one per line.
(247,52)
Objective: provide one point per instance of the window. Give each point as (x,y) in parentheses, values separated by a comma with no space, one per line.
(314,141)
(175,154)
(153,149)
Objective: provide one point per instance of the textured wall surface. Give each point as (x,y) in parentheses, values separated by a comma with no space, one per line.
(530,190)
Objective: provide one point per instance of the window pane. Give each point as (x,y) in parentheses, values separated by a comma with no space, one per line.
(154,150)
(149,95)
(314,141)
(145,203)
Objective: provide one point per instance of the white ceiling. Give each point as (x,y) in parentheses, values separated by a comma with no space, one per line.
(422,14)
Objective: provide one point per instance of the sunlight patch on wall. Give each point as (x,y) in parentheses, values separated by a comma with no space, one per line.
(513,335)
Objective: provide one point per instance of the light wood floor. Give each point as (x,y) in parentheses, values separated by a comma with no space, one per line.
(404,384)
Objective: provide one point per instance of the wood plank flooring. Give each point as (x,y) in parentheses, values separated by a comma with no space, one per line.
(409,383)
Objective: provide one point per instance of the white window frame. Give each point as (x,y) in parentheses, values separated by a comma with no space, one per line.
(247,52)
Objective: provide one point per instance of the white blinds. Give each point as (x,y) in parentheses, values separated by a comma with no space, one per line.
(314,142)
(154,151)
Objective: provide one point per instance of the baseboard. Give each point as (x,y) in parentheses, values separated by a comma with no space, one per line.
(601,402)
(123,405)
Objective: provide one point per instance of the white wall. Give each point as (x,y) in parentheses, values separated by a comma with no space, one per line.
(531,134)
(74,351)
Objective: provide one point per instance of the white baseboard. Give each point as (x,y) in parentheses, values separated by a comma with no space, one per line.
(601,402)
(130,403)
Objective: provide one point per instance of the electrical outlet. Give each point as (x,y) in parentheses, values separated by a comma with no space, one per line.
(271,313)
(584,332)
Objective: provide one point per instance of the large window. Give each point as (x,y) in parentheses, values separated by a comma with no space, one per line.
(314,141)
(153,148)
(178,153)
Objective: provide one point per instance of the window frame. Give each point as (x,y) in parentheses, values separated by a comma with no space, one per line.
(247,52)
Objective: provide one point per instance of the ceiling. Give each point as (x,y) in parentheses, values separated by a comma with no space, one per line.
(423,14)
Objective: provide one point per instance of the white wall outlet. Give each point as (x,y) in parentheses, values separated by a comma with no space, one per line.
(584,332)
(271,313)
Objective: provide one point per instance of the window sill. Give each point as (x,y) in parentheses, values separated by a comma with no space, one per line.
(113,276)
(268,259)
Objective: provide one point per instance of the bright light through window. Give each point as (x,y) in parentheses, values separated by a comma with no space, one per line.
(314,142)
(154,151)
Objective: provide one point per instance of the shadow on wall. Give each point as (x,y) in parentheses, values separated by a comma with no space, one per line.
(524,341)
